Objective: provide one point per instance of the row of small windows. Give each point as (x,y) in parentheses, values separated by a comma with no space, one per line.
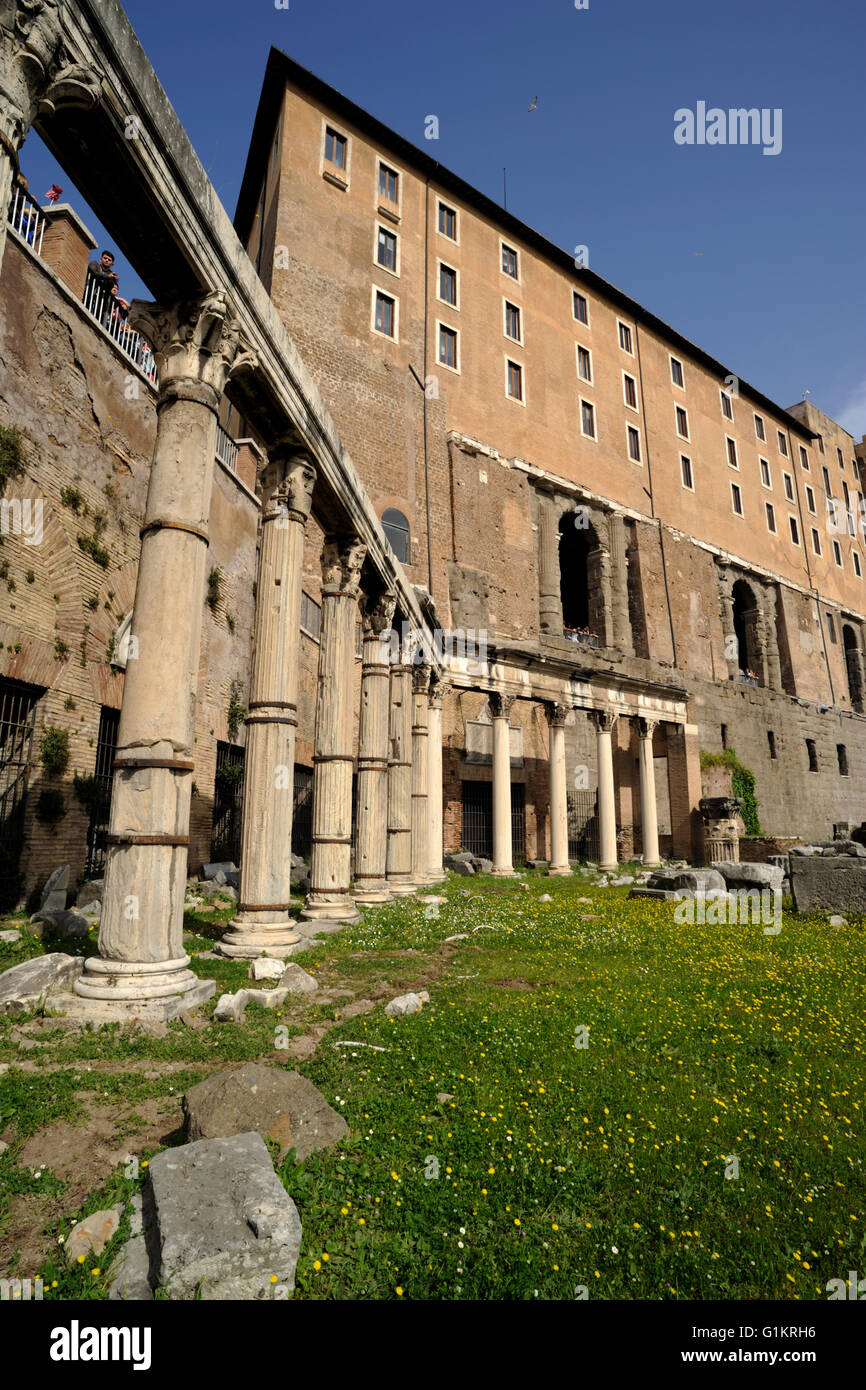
(812,754)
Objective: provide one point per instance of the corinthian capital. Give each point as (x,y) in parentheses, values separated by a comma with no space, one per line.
(557,715)
(500,704)
(420,679)
(38,72)
(377,613)
(342,558)
(604,719)
(195,341)
(288,480)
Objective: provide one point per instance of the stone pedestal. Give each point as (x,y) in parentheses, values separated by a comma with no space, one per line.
(648,810)
(556,717)
(500,708)
(330,898)
(434,783)
(399,854)
(373,742)
(719,815)
(420,712)
(141,955)
(263,925)
(604,721)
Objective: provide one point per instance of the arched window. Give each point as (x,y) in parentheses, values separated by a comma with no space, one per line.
(580,565)
(396,529)
(745,627)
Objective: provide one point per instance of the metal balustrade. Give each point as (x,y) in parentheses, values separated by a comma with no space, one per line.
(26,217)
(102,306)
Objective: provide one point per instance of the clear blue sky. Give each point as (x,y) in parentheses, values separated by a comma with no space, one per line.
(777,292)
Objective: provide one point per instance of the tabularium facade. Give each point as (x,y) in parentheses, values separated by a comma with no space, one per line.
(618,554)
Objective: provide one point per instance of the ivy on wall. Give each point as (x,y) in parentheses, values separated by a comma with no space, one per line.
(742,785)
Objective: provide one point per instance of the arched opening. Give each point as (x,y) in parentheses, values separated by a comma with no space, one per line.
(853,665)
(396,529)
(745,628)
(574,548)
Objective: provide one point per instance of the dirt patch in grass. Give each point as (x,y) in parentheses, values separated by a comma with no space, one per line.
(521,985)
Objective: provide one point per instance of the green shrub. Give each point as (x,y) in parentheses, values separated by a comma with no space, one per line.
(54,749)
(742,785)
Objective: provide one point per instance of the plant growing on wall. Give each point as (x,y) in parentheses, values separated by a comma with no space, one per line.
(228,778)
(236,710)
(54,749)
(742,785)
(50,806)
(72,498)
(214,582)
(91,546)
(85,788)
(11,454)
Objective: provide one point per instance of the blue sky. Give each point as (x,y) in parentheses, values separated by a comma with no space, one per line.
(777,291)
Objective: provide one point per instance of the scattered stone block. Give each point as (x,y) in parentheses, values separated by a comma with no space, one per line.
(266,969)
(405,1004)
(61,922)
(132,1273)
(225,1226)
(545,898)
(537,863)
(211,871)
(443,1097)
(837,921)
(749,876)
(91,1235)
(482,866)
(433,898)
(281,1104)
(461,866)
(830,885)
(230,1007)
(90,892)
(10,938)
(55,890)
(295,980)
(25,986)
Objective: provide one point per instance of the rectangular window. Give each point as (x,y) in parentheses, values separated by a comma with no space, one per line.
(771,517)
(783,443)
(388,183)
(810,500)
(447,346)
(804,459)
(686,471)
(842,759)
(584,363)
(587,419)
(385,314)
(448,284)
(736,499)
(831,627)
(448,221)
(386,249)
(795,530)
(766,480)
(821,444)
(335,148)
(759,427)
(771,742)
(813,756)
(512,321)
(580,307)
(677,372)
(682,423)
(515,381)
(839,457)
(509,261)
(731,446)
(837,553)
(629,390)
(845,493)
(727,405)
(856,558)
(624,336)
(788,483)
(828,486)
(816,541)
(633,443)
(724,735)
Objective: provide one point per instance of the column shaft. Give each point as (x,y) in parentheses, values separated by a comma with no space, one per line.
(373,747)
(399,855)
(420,711)
(604,722)
(434,785)
(648,811)
(502,848)
(622,637)
(549,600)
(558,797)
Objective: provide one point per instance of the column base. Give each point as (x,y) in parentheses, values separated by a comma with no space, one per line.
(559,871)
(504,873)
(651,863)
(608,868)
(401,889)
(76,1009)
(249,937)
(320,908)
(142,982)
(373,893)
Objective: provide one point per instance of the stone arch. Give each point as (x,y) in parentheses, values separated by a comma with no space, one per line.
(747,616)
(583,574)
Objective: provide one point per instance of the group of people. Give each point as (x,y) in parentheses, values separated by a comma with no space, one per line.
(580,634)
(113,310)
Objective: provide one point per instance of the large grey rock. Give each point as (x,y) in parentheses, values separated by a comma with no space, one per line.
(10,938)
(821,884)
(406,1004)
(482,866)
(132,1272)
(210,871)
(55,890)
(461,866)
(63,923)
(281,1104)
(24,986)
(225,1225)
(90,892)
(699,880)
(748,876)
(298,981)
(91,1235)
(264,968)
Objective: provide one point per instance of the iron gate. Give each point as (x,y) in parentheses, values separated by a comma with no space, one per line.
(477,832)
(302,814)
(100,795)
(228,796)
(17,721)
(583,837)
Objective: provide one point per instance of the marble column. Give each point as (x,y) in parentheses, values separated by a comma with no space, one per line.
(420,714)
(330,897)
(263,925)
(500,708)
(399,855)
(434,782)
(604,721)
(733,657)
(648,812)
(549,595)
(377,614)
(556,719)
(141,956)
(771,639)
(621,636)
(38,76)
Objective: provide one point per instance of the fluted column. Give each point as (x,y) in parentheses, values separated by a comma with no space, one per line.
(141,956)
(549,597)
(733,658)
(556,718)
(399,856)
(377,613)
(420,712)
(648,812)
(434,782)
(331,862)
(38,76)
(771,639)
(604,721)
(500,708)
(621,623)
(262,925)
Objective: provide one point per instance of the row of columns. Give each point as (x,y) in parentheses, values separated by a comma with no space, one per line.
(604,720)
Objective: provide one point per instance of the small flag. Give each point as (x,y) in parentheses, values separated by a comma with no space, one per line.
(53,193)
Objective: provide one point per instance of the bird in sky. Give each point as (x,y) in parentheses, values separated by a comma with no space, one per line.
(534,104)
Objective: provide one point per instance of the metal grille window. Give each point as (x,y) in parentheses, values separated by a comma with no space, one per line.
(583,832)
(396,529)
(311,616)
(477,832)
(302,814)
(17,719)
(228,795)
(100,796)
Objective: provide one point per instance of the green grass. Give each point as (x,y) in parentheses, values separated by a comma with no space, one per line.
(556,1166)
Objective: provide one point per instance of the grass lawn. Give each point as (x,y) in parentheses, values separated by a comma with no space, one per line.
(595,1098)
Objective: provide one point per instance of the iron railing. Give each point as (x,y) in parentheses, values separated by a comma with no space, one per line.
(18,704)
(226,449)
(103,308)
(100,795)
(26,217)
(302,814)
(476,836)
(228,796)
(583,830)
